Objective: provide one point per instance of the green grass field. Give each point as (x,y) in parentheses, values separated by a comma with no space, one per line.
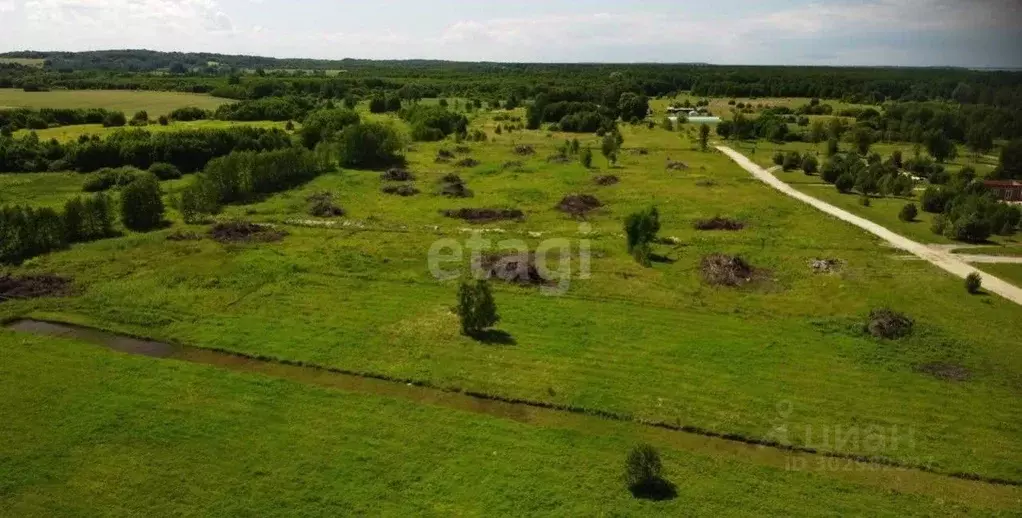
(1008,272)
(128,101)
(784,358)
(69,133)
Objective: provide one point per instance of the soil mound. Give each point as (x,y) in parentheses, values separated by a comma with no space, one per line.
(33,286)
(945,371)
(513,164)
(824,265)
(578,204)
(607,180)
(719,223)
(516,268)
(400,190)
(885,323)
(244,232)
(397,175)
(443,156)
(726,270)
(467,162)
(453,186)
(484,215)
(676,166)
(321,205)
(524,150)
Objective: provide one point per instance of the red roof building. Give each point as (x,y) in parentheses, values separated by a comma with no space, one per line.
(1007,190)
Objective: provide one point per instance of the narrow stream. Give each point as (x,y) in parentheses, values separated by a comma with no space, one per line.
(892,477)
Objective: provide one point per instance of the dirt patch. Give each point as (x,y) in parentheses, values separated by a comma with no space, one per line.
(513,164)
(321,205)
(400,190)
(606,180)
(558,159)
(639,151)
(726,270)
(245,232)
(453,186)
(444,156)
(397,175)
(33,286)
(516,268)
(673,165)
(825,265)
(484,215)
(578,204)
(718,223)
(945,371)
(524,150)
(467,162)
(886,323)
(180,235)
(706,182)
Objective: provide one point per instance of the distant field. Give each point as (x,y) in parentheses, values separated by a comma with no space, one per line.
(24,61)
(128,101)
(719,105)
(68,133)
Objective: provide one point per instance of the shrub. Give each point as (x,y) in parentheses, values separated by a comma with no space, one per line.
(586,158)
(476,307)
(939,225)
(26,232)
(165,171)
(643,468)
(188,113)
(845,183)
(885,323)
(115,119)
(970,228)
(369,145)
(809,164)
(141,204)
(778,158)
(791,161)
(934,199)
(641,229)
(973,283)
(163,120)
(324,124)
(908,212)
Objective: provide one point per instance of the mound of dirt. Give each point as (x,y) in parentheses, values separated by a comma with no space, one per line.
(400,190)
(578,204)
(243,232)
(558,159)
(513,164)
(321,205)
(443,156)
(467,162)
(606,180)
(824,265)
(397,175)
(726,270)
(639,151)
(676,166)
(945,371)
(462,149)
(33,286)
(516,268)
(718,223)
(524,150)
(180,235)
(885,323)
(452,186)
(484,215)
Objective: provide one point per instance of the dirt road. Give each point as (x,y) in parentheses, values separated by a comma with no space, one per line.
(942,259)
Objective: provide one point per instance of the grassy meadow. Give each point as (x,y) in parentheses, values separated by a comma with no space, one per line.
(783,358)
(128,101)
(71,133)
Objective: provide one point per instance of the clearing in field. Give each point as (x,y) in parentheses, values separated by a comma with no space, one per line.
(128,101)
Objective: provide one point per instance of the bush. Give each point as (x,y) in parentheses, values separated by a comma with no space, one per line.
(845,183)
(641,229)
(165,171)
(324,124)
(476,307)
(778,158)
(586,158)
(973,283)
(189,113)
(141,204)
(939,225)
(26,232)
(115,119)
(369,145)
(971,229)
(791,161)
(885,323)
(908,212)
(163,120)
(88,219)
(809,164)
(643,469)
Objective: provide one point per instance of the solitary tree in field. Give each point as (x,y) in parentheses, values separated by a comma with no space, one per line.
(641,229)
(141,204)
(587,157)
(863,139)
(704,136)
(476,307)
(610,148)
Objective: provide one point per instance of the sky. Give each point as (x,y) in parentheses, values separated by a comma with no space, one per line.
(970,33)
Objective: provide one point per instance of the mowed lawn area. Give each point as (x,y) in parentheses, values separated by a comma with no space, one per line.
(87,431)
(128,101)
(654,343)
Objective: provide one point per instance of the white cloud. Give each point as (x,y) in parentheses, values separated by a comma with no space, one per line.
(6,6)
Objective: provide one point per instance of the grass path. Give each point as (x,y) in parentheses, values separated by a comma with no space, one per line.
(939,258)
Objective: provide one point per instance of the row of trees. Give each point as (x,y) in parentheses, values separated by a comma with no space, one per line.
(13,119)
(26,232)
(188,150)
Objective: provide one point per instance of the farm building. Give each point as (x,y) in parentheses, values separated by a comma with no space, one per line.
(1007,190)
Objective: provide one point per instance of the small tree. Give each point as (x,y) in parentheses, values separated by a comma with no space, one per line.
(609,147)
(641,229)
(809,164)
(141,204)
(476,307)
(587,157)
(643,469)
(163,120)
(845,183)
(778,158)
(704,136)
(973,283)
(74,220)
(791,161)
(908,213)
(832,147)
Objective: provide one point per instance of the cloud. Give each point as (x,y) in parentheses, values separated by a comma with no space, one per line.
(6,6)
(132,18)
